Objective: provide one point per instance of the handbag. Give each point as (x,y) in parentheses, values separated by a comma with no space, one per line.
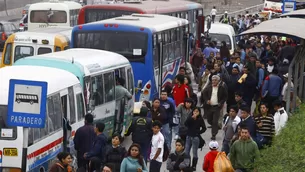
(176,119)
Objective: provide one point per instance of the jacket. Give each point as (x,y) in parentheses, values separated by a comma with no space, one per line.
(208,164)
(177,162)
(243,154)
(251,125)
(195,127)
(131,165)
(141,129)
(83,140)
(222,94)
(180,93)
(183,113)
(280,119)
(159,114)
(115,156)
(272,86)
(98,148)
(169,109)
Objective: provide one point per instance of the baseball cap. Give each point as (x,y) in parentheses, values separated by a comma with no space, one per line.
(213,145)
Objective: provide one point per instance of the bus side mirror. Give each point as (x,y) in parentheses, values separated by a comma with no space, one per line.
(140,84)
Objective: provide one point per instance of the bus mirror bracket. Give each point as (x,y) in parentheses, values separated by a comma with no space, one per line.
(139,85)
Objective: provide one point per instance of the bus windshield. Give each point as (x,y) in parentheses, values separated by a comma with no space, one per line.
(92,15)
(23,51)
(219,38)
(7,133)
(48,16)
(132,45)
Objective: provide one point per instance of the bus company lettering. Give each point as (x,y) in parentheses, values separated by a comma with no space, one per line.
(26,120)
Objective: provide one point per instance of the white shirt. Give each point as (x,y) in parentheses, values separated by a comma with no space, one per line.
(156,143)
(214,98)
(213,12)
(280,119)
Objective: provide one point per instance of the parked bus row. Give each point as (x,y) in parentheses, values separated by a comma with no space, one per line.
(79,81)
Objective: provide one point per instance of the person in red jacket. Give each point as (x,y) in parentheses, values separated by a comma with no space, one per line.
(209,158)
(180,91)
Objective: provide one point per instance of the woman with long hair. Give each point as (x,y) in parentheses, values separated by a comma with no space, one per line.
(64,164)
(195,127)
(134,161)
(158,112)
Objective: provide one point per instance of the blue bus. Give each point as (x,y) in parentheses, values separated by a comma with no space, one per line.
(155,45)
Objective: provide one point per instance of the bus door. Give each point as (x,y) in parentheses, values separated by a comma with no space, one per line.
(200,28)
(66,117)
(130,103)
(120,102)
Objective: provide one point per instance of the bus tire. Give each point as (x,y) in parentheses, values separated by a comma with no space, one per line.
(18,100)
(31,102)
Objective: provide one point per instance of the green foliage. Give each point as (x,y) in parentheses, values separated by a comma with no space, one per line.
(287,153)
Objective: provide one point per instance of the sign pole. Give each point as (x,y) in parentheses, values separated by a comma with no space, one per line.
(25,148)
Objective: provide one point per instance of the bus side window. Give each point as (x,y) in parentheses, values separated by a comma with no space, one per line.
(155,51)
(8,54)
(66,47)
(97,91)
(58,112)
(80,107)
(109,86)
(44,50)
(72,105)
(57,48)
(130,81)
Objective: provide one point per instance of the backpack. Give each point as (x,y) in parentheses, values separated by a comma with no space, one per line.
(222,163)
(201,142)
(165,152)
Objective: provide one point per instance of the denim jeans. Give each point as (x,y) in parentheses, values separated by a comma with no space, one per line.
(226,146)
(166,131)
(144,150)
(192,142)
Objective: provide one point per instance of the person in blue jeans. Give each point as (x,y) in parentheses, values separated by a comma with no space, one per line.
(195,126)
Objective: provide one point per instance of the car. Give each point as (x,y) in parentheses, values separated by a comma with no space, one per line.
(6,29)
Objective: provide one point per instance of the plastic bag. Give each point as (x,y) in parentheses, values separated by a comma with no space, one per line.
(222,163)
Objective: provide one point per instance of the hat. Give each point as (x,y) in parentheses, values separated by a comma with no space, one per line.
(213,145)
(226,12)
(286,75)
(286,61)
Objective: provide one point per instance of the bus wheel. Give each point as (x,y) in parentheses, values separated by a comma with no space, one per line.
(42,169)
(18,100)
(31,102)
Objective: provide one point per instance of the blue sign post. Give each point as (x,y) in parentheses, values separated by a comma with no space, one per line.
(27,103)
(289,5)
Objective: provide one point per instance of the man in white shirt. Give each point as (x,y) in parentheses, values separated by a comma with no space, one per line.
(280,116)
(213,14)
(157,148)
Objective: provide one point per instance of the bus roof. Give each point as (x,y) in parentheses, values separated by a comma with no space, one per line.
(69,5)
(39,35)
(57,79)
(150,6)
(155,22)
(91,60)
(294,13)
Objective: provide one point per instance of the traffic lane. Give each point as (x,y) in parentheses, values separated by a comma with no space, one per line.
(201,153)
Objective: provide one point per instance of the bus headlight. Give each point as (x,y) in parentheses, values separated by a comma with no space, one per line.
(11,170)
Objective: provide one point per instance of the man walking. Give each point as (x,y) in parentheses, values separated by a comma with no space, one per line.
(214,97)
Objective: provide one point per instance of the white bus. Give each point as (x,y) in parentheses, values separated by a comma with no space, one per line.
(65,102)
(53,13)
(97,71)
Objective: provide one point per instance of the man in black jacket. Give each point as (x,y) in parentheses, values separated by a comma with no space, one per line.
(141,129)
(214,96)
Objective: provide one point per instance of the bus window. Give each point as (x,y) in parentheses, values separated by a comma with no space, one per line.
(72,105)
(44,50)
(96,93)
(130,81)
(56,116)
(92,15)
(48,16)
(4,127)
(23,51)
(109,86)
(80,107)
(8,54)
(57,49)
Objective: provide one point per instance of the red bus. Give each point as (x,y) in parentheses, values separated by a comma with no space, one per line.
(191,11)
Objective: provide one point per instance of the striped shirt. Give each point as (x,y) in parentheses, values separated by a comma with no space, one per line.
(267,130)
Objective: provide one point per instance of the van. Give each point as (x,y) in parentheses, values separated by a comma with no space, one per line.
(223,32)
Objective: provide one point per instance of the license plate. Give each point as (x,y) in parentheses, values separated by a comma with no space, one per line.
(10,152)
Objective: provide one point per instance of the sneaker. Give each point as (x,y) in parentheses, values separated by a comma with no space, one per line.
(176,137)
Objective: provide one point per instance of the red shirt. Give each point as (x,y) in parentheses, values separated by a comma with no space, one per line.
(208,164)
(180,93)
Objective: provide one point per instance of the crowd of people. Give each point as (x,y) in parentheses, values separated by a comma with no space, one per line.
(255,77)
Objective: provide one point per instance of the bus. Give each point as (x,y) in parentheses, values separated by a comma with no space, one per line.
(155,45)
(53,13)
(36,42)
(191,11)
(97,71)
(277,5)
(26,98)
(64,115)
